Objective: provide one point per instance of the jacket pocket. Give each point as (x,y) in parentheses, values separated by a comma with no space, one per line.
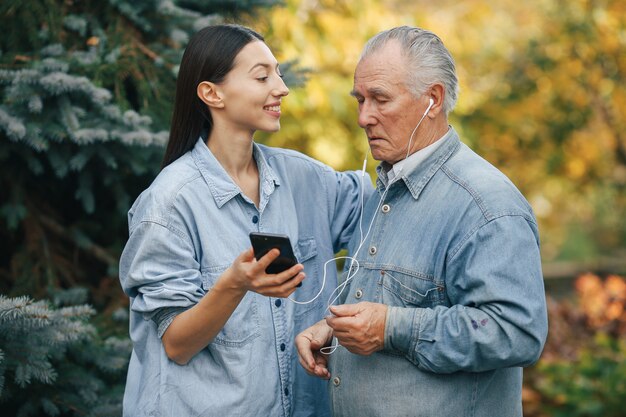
(306,253)
(243,325)
(407,289)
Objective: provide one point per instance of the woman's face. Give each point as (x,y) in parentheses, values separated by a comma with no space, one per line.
(252,90)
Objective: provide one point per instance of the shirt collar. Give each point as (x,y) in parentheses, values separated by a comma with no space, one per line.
(221,185)
(418,168)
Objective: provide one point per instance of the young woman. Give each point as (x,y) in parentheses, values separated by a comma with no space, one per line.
(212,332)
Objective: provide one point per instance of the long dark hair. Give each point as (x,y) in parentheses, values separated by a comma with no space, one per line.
(209,56)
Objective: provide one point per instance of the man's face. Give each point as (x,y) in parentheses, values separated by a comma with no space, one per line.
(388,111)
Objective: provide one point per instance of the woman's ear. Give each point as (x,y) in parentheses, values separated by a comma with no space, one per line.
(208,93)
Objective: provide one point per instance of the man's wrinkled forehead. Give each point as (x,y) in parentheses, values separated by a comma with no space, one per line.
(380,72)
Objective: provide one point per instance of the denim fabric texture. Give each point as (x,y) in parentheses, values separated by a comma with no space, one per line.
(185,230)
(454,252)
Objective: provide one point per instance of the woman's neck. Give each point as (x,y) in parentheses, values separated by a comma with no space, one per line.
(235,154)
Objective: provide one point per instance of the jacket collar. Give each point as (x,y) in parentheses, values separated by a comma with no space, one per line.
(221,185)
(417,179)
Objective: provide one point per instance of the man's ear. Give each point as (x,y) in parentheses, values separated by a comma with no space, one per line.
(209,94)
(436,93)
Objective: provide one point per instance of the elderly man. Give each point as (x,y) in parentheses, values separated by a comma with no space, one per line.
(444,303)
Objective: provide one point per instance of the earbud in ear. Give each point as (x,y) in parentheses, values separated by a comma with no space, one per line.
(430,104)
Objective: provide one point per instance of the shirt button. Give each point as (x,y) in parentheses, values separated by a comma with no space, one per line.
(255,219)
(386,208)
(336,381)
(373,250)
(286,391)
(277,303)
(282,347)
(358,293)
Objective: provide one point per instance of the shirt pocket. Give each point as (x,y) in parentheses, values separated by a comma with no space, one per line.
(306,253)
(403,288)
(243,325)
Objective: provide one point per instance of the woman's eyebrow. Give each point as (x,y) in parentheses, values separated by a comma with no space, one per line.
(262,64)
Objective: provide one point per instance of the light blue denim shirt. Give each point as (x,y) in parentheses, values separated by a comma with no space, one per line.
(454,252)
(185,230)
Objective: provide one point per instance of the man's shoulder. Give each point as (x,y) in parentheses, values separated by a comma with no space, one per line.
(494,193)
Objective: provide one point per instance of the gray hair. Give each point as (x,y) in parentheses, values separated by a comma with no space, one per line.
(429,61)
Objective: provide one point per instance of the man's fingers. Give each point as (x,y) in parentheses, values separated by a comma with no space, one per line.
(345,310)
(305,354)
(321,371)
(341,324)
(304,362)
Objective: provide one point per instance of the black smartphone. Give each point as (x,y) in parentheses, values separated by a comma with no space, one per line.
(264,242)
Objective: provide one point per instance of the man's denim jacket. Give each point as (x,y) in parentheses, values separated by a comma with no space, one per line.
(453,251)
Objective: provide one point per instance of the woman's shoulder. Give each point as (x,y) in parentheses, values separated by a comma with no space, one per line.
(289,159)
(157,201)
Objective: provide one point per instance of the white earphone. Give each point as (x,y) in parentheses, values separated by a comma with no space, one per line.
(430,104)
(351,272)
(408,148)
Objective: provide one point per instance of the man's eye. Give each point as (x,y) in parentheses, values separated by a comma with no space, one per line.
(262,79)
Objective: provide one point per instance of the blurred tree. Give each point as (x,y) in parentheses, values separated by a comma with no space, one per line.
(326,38)
(552,116)
(53,362)
(542,98)
(86,89)
(85,99)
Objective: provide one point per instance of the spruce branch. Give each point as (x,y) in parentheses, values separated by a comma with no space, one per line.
(92,248)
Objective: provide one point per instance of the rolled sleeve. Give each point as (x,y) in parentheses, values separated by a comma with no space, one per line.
(163,317)
(158,269)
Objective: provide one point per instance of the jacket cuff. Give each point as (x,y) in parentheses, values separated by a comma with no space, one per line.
(401,328)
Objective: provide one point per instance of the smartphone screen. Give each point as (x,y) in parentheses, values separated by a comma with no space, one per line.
(264,242)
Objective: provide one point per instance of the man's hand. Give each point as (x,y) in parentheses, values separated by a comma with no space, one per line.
(308,343)
(360,328)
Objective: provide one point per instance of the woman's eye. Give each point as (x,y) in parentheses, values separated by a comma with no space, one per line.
(262,79)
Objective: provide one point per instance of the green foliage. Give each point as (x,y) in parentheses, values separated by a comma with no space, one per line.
(542,98)
(86,90)
(582,372)
(53,361)
(593,385)
(552,115)
(86,93)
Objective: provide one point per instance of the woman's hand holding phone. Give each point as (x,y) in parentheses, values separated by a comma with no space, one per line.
(247,273)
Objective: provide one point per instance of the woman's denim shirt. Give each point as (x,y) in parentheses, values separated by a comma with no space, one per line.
(185,230)
(454,251)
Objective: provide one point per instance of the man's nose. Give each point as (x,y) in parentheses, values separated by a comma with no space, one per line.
(366,115)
